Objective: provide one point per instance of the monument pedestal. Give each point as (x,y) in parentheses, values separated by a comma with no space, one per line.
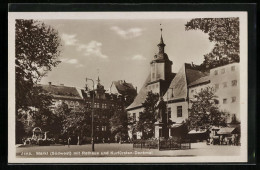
(161,130)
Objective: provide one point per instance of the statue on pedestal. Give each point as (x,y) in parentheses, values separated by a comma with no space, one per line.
(160,111)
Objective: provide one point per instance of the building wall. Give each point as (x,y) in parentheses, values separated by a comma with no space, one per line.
(131,114)
(197,89)
(157,71)
(72,104)
(228,92)
(154,87)
(174,116)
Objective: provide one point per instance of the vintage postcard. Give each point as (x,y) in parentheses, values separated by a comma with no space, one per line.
(127,87)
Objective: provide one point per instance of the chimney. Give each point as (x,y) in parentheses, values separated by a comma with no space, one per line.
(50,83)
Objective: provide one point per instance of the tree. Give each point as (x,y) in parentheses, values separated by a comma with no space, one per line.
(37,48)
(204,111)
(225,33)
(147,118)
(119,124)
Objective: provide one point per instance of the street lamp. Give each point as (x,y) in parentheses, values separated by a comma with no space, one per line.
(92,119)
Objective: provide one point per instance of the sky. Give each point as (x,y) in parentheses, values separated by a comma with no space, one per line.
(116,49)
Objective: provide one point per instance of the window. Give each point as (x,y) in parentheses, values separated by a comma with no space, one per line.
(192,91)
(179,111)
(216,87)
(77,103)
(216,101)
(169,112)
(97,128)
(104,105)
(96,105)
(225,84)
(140,114)
(216,72)
(134,117)
(233,68)
(104,128)
(234,82)
(234,99)
(224,101)
(222,70)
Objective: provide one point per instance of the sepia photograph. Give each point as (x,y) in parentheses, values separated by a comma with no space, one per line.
(131,87)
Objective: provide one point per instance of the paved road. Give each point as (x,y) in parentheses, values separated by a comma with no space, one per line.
(126,150)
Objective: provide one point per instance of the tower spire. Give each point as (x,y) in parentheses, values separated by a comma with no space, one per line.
(161,45)
(161,42)
(98,80)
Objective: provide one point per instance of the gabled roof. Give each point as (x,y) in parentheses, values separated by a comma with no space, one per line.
(141,96)
(178,87)
(124,88)
(61,91)
(193,75)
(199,81)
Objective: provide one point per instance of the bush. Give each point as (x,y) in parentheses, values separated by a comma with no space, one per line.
(44,142)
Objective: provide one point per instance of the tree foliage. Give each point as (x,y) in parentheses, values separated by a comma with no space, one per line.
(225,33)
(147,118)
(119,124)
(37,48)
(204,111)
(75,122)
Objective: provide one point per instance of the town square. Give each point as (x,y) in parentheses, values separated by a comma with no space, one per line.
(113,87)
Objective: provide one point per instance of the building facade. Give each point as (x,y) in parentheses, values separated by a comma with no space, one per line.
(106,103)
(226,81)
(178,89)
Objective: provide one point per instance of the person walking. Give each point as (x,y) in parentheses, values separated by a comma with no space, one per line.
(69,139)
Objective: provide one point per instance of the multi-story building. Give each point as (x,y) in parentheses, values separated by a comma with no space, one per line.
(178,89)
(72,96)
(157,81)
(226,81)
(106,103)
(177,95)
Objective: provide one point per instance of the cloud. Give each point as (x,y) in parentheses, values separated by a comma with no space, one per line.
(69,39)
(72,61)
(138,57)
(93,48)
(69,61)
(128,34)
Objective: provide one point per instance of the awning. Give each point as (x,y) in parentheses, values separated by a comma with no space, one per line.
(225,131)
(197,132)
(175,125)
(215,128)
